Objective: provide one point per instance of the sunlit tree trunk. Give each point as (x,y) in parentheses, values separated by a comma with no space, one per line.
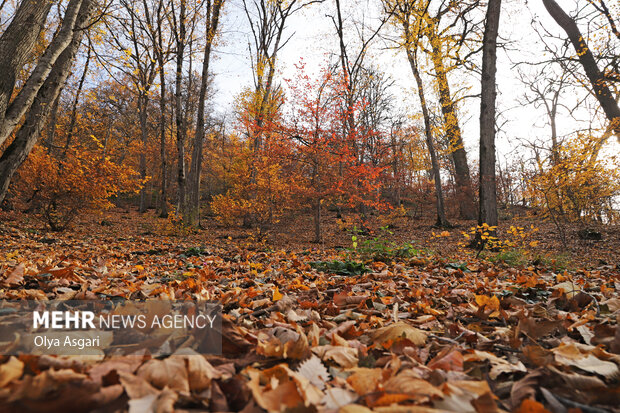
(465,193)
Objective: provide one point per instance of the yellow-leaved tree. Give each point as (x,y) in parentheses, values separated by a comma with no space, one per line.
(578,186)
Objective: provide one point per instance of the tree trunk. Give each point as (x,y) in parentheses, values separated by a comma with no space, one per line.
(488,196)
(442,221)
(51,125)
(180,121)
(464,189)
(317,221)
(163,205)
(143,104)
(586,58)
(41,107)
(193,209)
(76,100)
(22,102)
(16,45)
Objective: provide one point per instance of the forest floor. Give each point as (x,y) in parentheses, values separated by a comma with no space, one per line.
(407,321)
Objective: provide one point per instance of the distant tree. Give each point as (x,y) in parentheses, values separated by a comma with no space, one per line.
(597,79)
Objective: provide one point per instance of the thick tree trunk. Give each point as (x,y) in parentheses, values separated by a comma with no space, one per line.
(22,102)
(442,221)
(35,120)
(16,45)
(464,188)
(586,58)
(488,196)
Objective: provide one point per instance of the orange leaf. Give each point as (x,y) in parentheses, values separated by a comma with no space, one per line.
(531,406)
(277,295)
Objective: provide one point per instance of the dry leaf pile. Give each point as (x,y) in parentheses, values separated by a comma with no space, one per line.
(422,334)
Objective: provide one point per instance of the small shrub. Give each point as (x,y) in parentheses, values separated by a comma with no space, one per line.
(340,267)
(379,248)
(60,189)
(511,257)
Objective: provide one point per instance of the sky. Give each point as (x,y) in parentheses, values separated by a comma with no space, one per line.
(314,40)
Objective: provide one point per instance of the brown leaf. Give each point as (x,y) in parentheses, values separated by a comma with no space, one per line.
(571,356)
(525,388)
(343,356)
(170,372)
(364,380)
(136,387)
(15,277)
(450,360)
(161,402)
(109,369)
(407,382)
(399,330)
(283,389)
(61,391)
(11,370)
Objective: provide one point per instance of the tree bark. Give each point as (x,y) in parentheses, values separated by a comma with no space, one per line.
(464,188)
(143,104)
(586,58)
(22,102)
(16,45)
(442,221)
(179,118)
(193,209)
(41,107)
(488,196)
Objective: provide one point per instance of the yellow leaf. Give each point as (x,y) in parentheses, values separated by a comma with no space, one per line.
(277,295)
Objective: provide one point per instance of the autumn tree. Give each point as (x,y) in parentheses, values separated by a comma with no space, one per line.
(192,209)
(156,17)
(598,80)
(407,17)
(135,57)
(329,171)
(36,97)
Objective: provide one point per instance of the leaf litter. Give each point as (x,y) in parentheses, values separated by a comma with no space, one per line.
(416,334)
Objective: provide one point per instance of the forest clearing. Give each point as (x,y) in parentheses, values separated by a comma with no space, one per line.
(331,206)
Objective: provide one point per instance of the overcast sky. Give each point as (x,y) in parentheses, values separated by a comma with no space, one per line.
(314,40)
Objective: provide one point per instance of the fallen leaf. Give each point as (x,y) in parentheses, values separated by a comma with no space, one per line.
(399,330)
(11,370)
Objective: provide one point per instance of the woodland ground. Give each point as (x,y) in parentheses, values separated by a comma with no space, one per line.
(428,330)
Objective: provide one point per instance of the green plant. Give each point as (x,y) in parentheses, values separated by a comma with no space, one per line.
(380,248)
(194,252)
(555,262)
(512,257)
(340,267)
